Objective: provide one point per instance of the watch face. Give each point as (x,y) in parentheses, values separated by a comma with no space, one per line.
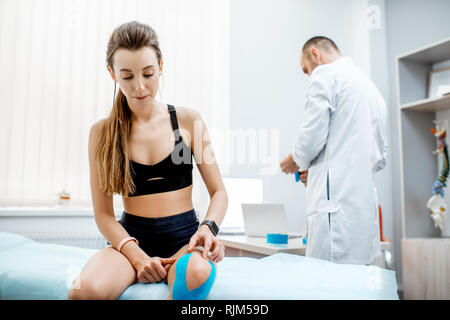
(212,225)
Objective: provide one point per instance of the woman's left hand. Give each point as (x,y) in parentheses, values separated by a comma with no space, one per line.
(204,237)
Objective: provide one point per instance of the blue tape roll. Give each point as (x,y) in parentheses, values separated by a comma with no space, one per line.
(277,238)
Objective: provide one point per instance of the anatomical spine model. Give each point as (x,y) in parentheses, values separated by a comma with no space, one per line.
(437,204)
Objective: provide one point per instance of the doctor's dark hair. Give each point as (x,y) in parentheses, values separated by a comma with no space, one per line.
(112,153)
(321,42)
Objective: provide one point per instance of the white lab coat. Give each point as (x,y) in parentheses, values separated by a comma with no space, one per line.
(342,142)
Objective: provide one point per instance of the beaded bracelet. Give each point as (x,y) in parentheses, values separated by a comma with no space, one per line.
(121,243)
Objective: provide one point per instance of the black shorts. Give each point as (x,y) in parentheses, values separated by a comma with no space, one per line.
(161,237)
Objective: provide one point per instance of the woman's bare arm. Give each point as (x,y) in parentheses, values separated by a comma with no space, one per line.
(206,162)
(201,146)
(103,205)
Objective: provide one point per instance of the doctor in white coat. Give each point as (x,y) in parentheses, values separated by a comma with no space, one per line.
(341,144)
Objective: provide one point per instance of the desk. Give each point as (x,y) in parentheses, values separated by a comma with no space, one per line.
(243,246)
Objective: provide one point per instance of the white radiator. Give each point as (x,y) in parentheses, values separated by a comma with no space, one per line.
(84,241)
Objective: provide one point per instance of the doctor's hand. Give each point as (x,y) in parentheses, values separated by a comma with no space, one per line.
(304,176)
(288,165)
(204,237)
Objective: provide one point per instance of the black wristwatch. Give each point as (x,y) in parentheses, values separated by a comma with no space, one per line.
(212,226)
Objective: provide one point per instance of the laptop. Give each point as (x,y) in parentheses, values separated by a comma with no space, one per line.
(263,218)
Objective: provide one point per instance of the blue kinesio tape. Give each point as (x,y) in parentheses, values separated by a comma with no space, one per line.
(180,290)
(277,238)
(297,176)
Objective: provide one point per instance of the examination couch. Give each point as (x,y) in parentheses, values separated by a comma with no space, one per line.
(33,270)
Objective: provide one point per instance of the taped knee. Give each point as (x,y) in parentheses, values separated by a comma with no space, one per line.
(180,290)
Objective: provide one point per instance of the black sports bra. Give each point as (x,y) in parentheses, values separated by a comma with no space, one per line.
(172,173)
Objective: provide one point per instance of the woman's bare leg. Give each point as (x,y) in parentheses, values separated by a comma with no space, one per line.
(105,276)
(197,272)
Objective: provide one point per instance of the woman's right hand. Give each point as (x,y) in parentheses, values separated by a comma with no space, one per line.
(153,269)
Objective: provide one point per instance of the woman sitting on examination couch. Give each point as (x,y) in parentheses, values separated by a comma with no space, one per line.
(143,151)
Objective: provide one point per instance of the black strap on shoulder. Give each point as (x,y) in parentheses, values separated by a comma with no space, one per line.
(174,121)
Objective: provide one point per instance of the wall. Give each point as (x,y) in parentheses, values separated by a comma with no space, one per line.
(267,85)
(379,74)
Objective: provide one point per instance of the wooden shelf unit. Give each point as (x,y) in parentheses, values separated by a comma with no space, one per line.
(416,113)
(419,168)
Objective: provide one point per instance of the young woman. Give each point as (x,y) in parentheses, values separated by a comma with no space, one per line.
(143,151)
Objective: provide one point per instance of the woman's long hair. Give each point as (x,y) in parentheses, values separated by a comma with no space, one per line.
(112,154)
